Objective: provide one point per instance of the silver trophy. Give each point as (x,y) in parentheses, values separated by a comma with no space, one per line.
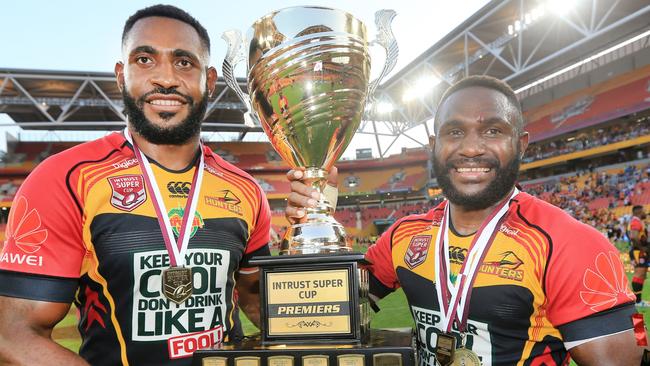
(308,82)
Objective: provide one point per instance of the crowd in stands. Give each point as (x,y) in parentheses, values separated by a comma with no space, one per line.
(594,196)
(588,139)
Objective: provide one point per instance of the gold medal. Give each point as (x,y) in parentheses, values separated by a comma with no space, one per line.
(177,284)
(465,357)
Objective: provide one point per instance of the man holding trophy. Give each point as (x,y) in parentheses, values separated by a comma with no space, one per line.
(535,285)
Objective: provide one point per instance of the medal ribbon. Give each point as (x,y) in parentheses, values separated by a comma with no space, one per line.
(176,249)
(454,297)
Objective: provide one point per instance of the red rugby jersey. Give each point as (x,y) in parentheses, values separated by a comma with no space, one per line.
(83,228)
(547,279)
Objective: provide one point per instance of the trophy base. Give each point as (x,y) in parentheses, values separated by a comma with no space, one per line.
(313,298)
(383,348)
(321,234)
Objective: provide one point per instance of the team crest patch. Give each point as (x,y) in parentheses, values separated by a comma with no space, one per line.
(128,192)
(417,250)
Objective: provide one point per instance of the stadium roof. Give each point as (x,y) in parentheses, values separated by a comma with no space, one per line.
(516,40)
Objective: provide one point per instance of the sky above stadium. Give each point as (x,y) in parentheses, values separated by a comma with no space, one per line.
(85,35)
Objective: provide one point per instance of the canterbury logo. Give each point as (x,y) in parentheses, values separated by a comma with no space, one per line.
(182,188)
(457,254)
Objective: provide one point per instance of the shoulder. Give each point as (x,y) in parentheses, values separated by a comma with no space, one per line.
(88,152)
(552,221)
(417,222)
(218,166)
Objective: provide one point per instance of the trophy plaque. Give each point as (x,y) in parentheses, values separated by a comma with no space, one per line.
(383,348)
(308,72)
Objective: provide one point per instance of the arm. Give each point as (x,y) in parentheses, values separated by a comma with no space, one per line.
(248,288)
(614,350)
(25,333)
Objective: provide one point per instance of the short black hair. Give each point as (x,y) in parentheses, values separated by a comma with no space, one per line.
(167,11)
(637,207)
(488,82)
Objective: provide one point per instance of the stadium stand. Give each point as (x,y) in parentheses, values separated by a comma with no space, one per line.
(603,130)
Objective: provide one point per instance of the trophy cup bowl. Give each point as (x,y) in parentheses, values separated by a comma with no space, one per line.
(308,82)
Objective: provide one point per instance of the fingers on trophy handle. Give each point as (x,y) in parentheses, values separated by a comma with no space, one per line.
(235,55)
(386,39)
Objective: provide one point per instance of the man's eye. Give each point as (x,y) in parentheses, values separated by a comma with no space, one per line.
(143,60)
(185,63)
(493,131)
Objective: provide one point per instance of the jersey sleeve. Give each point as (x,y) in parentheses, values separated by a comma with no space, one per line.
(260,236)
(586,280)
(43,251)
(382,272)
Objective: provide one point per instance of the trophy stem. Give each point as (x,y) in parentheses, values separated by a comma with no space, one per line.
(320,234)
(317,178)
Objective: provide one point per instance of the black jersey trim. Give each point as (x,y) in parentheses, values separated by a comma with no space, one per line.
(550,244)
(611,321)
(377,288)
(38,287)
(262,251)
(67,176)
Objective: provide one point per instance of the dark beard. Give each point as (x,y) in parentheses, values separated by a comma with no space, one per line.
(175,135)
(505,178)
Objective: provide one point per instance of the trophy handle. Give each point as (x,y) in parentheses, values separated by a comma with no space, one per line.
(234,55)
(386,39)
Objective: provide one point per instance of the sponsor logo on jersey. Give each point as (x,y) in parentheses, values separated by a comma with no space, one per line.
(605,284)
(184,346)
(179,189)
(427,323)
(506,266)
(24,230)
(125,164)
(128,192)
(213,171)
(457,255)
(226,200)
(508,231)
(176,220)
(156,318)
(417,250)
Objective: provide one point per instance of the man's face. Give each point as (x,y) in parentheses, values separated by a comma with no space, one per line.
(477,147)
(165,80)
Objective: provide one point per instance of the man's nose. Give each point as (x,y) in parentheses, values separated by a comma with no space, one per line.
(472,145)
(165,76)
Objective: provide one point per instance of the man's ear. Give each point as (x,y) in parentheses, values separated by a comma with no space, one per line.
(212,80)
(119,75)
(523,143)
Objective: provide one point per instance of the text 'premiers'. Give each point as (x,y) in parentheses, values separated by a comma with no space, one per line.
(156,318)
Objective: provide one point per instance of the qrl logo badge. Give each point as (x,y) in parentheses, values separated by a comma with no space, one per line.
(417,250)
(128,192)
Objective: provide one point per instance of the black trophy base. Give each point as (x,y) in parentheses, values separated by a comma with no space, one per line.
(384,348)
